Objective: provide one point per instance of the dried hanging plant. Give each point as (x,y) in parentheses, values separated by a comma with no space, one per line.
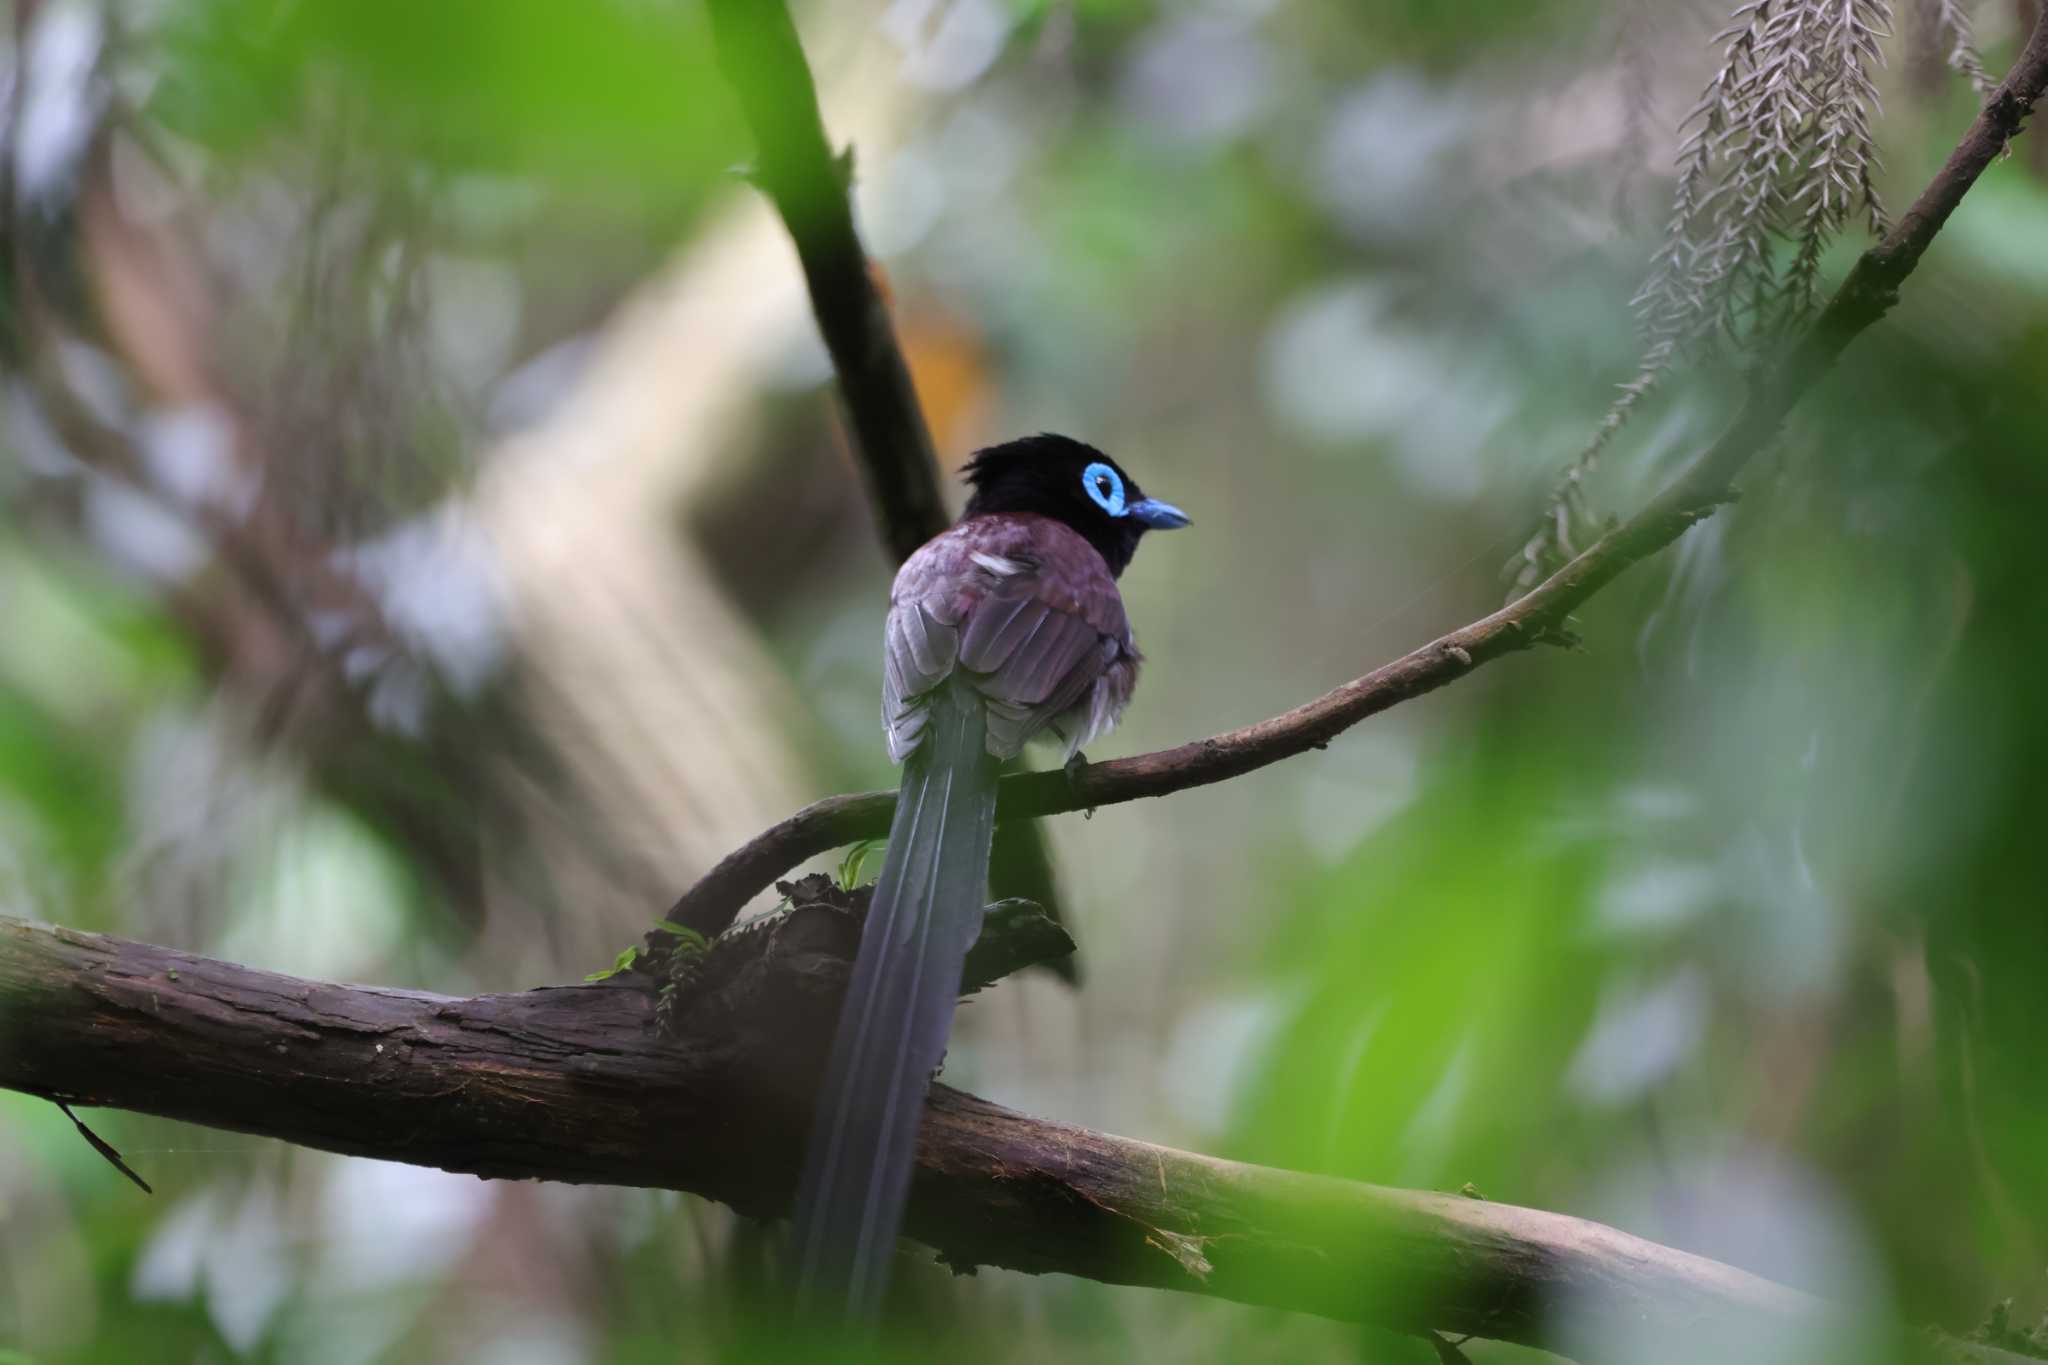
(1949,22)
(1779,159)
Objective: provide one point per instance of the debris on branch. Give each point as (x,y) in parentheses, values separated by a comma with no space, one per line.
(1015,934)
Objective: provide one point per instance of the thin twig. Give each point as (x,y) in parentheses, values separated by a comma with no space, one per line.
(103,1147)
(1539,617)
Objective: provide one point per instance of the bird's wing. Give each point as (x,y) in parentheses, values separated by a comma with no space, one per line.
(1021,604)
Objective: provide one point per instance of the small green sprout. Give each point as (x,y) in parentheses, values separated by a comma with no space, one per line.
(856,860)
(689,943)
(619,964)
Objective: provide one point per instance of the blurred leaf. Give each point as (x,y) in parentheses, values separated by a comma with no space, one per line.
(607,89)
(623,962)
(1443,979)
(1440,33)
(82,661)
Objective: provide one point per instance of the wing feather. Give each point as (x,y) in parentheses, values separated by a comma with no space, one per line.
(1028,610)
(1032,675)
(992,628)
(931,644)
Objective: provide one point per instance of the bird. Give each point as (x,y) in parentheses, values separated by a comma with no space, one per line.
(1004,627)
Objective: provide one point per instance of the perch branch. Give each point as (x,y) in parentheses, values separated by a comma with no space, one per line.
(575,1084)
(1869,291)
(762,59)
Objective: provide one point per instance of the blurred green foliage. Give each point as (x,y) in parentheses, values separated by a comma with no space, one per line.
(615,98)
(1727,928)
(83,660)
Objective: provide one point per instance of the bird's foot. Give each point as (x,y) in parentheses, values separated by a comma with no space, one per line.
(1076,761)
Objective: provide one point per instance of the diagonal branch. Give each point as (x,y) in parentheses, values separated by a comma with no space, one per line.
(758,48)
(1865,296)
(576,1084)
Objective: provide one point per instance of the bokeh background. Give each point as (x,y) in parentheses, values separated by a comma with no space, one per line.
(427,540)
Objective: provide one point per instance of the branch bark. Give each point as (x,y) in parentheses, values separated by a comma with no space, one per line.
(1538,617)
(577,1084)
(763,61)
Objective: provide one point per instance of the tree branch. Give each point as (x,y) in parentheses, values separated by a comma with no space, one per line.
(1865,296)
(759,52)
(576,1084)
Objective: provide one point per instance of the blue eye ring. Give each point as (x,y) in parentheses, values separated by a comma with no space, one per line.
(1105,486)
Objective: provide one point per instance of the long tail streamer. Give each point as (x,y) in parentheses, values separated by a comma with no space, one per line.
(925,915)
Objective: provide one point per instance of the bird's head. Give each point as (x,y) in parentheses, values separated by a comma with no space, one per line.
(1073,483)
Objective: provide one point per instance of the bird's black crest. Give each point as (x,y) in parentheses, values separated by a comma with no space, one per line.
(1043,474)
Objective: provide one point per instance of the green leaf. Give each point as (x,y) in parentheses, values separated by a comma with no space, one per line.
(689,943)
(619,964)
(855,861)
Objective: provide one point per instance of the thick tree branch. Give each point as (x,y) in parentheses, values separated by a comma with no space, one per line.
(576,1084)
(1869,291)
(758,49)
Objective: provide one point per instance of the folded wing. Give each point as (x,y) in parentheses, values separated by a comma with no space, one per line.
(1028,611)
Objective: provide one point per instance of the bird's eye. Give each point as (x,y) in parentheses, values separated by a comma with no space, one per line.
(1105,486)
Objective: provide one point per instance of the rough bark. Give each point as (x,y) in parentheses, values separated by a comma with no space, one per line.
(578,1084)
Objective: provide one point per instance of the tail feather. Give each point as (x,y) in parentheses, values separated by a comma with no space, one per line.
(924,916)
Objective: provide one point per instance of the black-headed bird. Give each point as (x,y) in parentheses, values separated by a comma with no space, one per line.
(1006,626)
